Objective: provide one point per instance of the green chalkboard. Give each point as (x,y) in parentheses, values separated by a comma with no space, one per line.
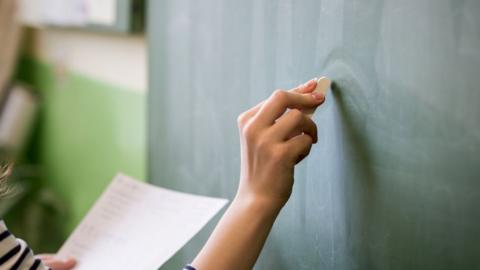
(394,182)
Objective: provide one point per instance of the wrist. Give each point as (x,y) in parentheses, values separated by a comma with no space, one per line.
(260,205)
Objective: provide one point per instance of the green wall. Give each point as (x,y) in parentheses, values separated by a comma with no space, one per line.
(87,132)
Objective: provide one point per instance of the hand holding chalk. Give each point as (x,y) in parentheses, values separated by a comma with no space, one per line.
(323,84)
(276,135)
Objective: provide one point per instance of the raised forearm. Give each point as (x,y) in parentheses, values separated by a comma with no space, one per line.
(239,236)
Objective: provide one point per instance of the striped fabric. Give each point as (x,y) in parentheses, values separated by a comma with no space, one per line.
(15,254)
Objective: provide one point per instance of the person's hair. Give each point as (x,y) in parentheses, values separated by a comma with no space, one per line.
(5,171)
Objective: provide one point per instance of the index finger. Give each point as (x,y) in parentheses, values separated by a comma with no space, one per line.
(305,88)
(280,101)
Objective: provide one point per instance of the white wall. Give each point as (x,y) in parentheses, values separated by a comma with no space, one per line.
(116,59)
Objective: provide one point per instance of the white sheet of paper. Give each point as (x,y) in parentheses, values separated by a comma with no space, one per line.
(135,225)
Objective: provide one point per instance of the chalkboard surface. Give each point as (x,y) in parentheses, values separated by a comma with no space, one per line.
(394,182)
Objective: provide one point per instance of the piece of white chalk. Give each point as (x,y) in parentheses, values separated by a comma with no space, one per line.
(323,84)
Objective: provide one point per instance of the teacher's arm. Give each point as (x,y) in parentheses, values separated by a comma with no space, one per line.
(275,135)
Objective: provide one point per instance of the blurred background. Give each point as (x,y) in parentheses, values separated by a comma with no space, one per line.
(72,108)
(392,183)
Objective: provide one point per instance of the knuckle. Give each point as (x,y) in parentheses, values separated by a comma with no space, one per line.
(279,95)
(241,119)
(297,115)
(248,132)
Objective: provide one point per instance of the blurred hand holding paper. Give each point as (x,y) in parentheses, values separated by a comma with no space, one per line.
(135,225)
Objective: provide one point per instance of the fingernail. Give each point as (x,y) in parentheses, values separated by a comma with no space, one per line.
(311,82)
(318,96)
(307,84)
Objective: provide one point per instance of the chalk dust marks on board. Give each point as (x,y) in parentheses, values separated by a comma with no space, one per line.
(358,178)
(353,97)
(328,36)
(324,190)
